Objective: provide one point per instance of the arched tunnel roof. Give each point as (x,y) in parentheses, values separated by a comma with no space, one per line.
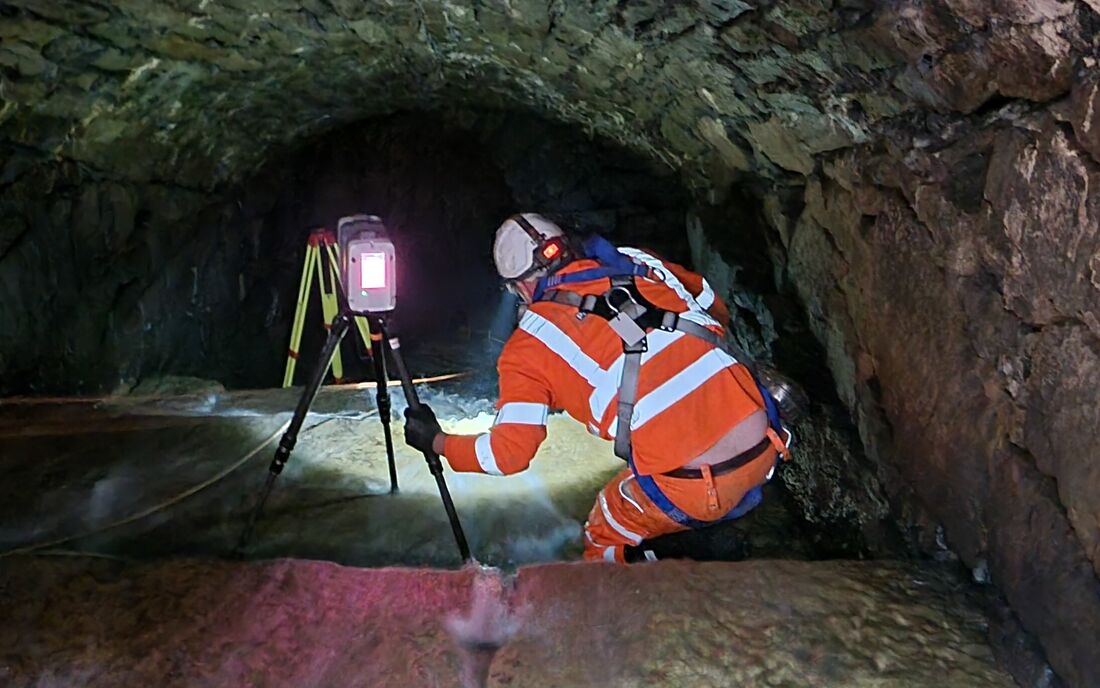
(198,92)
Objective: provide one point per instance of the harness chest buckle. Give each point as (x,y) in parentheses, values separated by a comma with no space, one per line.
(626,314)
(627,329)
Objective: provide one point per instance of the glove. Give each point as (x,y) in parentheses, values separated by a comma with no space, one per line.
(421,427)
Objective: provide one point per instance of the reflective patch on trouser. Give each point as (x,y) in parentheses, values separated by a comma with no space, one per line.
(622,516)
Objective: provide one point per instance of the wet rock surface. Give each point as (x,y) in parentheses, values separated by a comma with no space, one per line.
(300,623)
(961,321)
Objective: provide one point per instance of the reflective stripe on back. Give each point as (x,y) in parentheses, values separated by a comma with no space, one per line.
(562,345)
(680,385)
(604,392)
(605,382)
(677,387)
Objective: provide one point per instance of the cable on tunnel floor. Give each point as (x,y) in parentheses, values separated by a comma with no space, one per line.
(36,547)
(27,549)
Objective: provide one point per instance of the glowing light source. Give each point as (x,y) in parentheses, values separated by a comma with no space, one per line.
(374,270)
(551,250)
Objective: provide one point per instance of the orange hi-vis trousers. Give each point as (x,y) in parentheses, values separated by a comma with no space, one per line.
(624,515)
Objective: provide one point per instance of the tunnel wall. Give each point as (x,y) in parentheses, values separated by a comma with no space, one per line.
(961,328)
(927,171)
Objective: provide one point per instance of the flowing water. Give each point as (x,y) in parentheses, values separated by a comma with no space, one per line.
(487,625)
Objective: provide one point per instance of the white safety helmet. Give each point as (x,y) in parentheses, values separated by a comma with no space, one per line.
(525,243)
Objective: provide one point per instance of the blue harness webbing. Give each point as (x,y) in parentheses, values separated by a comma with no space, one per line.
(649,486)
(770,406)
(612,263)
(588,275)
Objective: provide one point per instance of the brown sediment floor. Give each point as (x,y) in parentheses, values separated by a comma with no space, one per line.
(299,623)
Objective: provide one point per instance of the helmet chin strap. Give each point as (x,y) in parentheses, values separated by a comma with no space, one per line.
(522,288)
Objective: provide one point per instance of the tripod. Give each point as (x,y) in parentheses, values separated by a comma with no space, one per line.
(322,259)
(380,343)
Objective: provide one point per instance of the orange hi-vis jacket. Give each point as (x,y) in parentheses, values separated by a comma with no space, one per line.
(690,393)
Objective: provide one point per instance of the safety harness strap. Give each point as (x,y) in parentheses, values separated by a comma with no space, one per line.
(628,396)
(649,486)
(588,275)
(665,320)
(567,298)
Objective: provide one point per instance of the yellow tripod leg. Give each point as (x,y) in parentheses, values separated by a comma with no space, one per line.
(329,307)
(299,315)
(360,322)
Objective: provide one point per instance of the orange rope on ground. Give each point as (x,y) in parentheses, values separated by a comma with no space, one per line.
(397,383)
(33,401)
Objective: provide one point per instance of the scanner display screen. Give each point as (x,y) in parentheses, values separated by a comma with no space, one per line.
(373,270)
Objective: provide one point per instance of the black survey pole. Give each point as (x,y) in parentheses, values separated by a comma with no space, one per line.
(434,464)
(286,445)
(378,353)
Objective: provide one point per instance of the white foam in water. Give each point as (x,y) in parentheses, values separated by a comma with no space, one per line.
(508,520)
(486,626)
(101,502)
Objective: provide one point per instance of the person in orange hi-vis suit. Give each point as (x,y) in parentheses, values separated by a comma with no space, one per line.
(699,441)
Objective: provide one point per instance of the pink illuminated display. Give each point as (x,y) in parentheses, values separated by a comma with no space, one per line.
(374,270)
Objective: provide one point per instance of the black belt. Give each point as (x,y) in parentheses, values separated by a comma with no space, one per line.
(726,466)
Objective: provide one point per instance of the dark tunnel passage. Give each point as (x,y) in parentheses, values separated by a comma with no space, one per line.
(442,184)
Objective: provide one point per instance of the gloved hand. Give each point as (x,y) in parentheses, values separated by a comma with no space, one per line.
(421,427)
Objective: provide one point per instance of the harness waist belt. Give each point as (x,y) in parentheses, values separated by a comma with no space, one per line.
(726,466)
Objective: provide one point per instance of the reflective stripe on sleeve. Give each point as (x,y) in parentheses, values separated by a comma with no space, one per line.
(483,449)
(705,299)
(523,413)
